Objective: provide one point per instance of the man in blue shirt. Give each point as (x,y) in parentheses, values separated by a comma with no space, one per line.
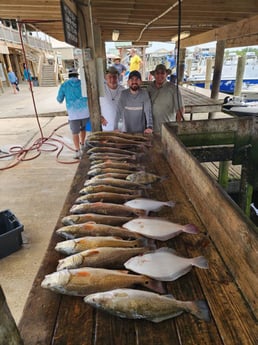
(77,109)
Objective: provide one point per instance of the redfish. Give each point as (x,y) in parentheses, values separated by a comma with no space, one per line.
(94,229)
(85,281)
(102,257)
(105,208)
(77,245)
(116,198)
(95,217)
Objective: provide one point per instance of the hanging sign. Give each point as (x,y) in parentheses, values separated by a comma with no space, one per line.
(70,24)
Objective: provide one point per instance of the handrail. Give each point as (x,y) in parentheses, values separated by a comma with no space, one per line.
(9,34)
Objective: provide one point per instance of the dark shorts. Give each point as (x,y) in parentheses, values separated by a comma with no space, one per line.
(77,126)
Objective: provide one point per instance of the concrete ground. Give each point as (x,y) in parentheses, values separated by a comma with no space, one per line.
(33,190)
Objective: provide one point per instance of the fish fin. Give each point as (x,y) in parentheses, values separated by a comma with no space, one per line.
(156,286)
(170,203)
(157,319)
(190,229)
(200,261)
(167,250)
(163,178)
(200,310)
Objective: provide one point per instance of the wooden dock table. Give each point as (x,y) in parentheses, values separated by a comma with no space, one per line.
(229,286)
(196,102)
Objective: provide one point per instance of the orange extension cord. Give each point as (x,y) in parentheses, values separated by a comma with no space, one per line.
(46,144)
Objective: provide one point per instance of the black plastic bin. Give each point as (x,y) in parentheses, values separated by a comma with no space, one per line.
(10,233)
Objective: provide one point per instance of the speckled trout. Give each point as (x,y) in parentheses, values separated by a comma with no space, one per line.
(138,304)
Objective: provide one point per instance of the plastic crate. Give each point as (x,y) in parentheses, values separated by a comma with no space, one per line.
(10,233)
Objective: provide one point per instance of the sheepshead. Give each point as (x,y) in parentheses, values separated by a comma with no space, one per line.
(158,229)
(102,257)
(107,188)
(105,208)
(112,182)
(98,171)
(111,150)
(77,245)
(148,205)
(116,198)
(143,177)
(95,217)
(85,281)
(94,229)
(139,304)
(164,264)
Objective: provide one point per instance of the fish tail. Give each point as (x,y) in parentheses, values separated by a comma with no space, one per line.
(170,203)
(201,262)
(191,229)
(156,286)
(150,243)
(200,310)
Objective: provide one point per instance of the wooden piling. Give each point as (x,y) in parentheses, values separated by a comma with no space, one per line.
(9,333)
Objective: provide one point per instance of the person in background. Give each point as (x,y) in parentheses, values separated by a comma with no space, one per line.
(27,75)
(77,109)
(13,80)
(134,107)
(120,67)
(166,99)
(135,61)
(108,103)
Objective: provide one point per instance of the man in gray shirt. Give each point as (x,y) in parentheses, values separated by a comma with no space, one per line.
(134,107)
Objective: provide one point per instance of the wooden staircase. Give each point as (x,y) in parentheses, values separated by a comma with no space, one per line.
(48,77)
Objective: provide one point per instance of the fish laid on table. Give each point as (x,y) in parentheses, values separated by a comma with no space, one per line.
(105,208)
(85,281)
(120,135)
(163,264)
(102,257)
(105,138)
(98,171)
(95,229)
(95,217)
(143,177)
(116,198)
(112,182)
(111,150)
(109,144)
(116,165)
(107,188)
(77,245)
(139,304)
(158,229)
(120,176)
(148,205)
(112,156)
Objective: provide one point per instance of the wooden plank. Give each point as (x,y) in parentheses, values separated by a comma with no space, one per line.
(229,225)
(73,322)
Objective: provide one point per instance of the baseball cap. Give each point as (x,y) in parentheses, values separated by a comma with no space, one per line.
(72,71)
(112,70)
(136,74)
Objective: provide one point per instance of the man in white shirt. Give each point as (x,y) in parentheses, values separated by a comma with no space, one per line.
(108,103)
